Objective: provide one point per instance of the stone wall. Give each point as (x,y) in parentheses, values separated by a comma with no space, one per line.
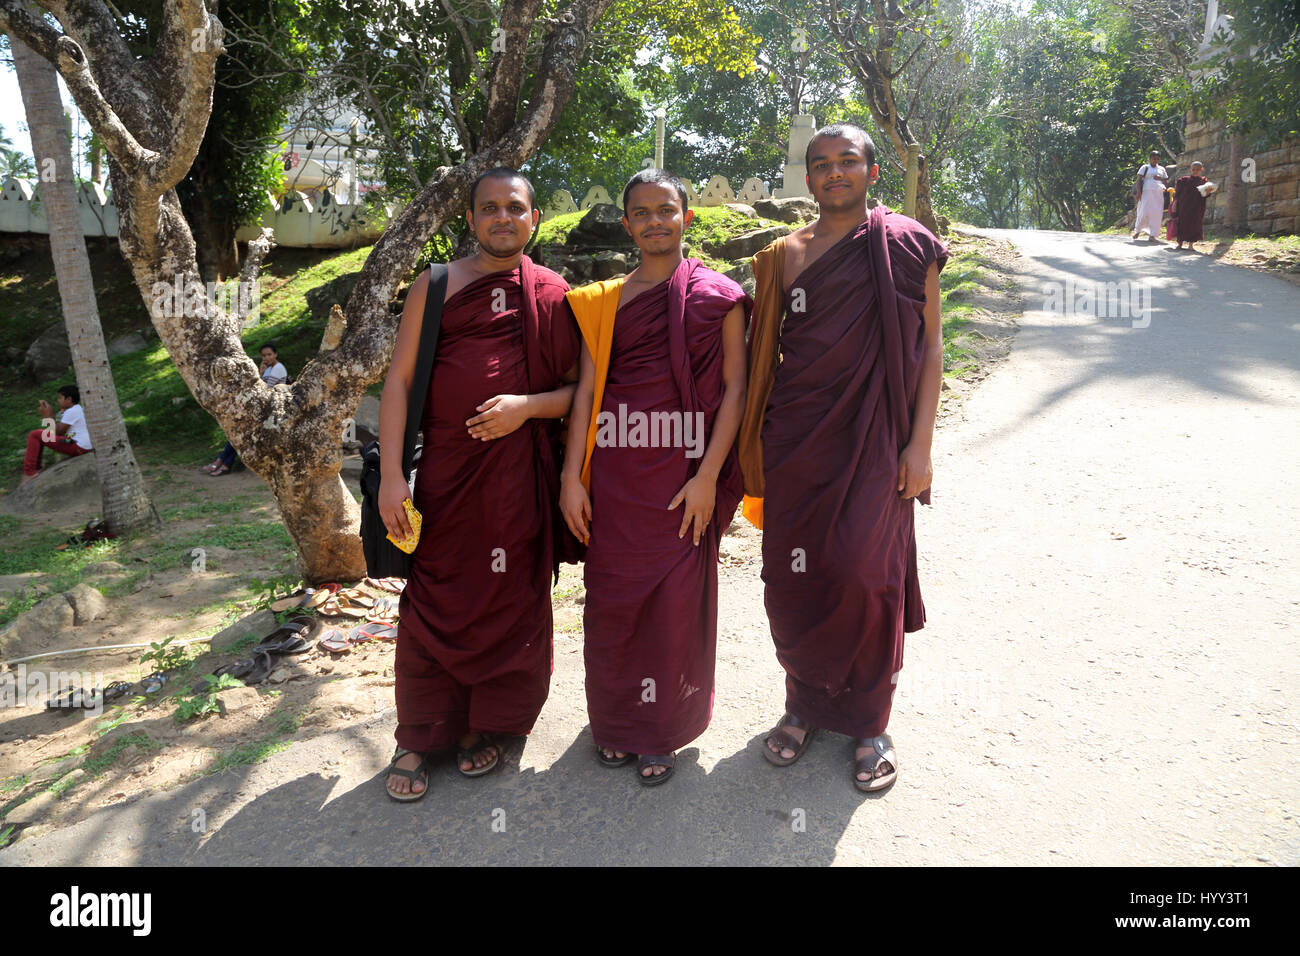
(1261,196)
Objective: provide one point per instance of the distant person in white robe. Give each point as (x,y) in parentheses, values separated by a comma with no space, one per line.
(1152,179)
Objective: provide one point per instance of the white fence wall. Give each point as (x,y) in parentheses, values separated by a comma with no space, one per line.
(296,220)
(715,192)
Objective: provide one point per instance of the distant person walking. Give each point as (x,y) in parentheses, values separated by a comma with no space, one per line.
(1150,193)
(68,436)
(1188,208)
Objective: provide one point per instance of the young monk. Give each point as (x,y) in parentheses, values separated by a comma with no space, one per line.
(474,643)
(844,375)
(651,480)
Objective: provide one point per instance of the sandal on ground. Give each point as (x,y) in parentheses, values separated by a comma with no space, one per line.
(882,756)
(420,773)
(291,638)
(613,761)
(485,741)
(655,760)
(785,741)
(391,585)
(384,611)
(333,640)
(334,607)
(373,631)
(219,470)
(153,683)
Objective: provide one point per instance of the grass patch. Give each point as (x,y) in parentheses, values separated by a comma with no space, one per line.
(15,783)
(205,702)
(284,724)
(97,765)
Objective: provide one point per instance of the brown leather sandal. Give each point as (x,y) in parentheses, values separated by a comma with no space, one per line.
(882,756)
(784,741)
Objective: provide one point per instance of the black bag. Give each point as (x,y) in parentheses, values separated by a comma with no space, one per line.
(383,558)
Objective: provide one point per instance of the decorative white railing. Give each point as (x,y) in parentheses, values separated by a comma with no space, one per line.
(296,219)
(716,192)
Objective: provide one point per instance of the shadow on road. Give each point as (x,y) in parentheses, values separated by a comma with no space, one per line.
(575,812)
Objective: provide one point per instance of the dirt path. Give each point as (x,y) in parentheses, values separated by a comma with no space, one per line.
(1109,675)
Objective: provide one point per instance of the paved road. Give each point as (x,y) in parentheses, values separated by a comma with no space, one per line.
(1109,675)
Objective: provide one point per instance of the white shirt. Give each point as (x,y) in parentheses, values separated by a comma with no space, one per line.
(75,419)
(1149,181)
(277,374)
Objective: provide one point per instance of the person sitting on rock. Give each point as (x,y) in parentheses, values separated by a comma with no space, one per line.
(69,435)
(273,372)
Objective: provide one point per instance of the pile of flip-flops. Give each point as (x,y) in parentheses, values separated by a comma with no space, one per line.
(288,639)
(377,614)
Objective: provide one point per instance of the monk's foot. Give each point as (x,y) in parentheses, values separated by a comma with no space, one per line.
(409,785)
(654,769)
(787,741)
(477,754)
(875,764)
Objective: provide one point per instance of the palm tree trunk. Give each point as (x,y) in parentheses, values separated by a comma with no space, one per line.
(127,507)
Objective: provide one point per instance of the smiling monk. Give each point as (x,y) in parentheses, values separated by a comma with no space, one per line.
(474,643)
(844,374)
(651,481)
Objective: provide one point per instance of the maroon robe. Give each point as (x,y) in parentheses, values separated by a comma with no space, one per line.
(1189,208)
(474,638)
(839,553)
(652,597)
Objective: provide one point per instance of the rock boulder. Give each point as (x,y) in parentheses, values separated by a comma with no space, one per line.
(49,356)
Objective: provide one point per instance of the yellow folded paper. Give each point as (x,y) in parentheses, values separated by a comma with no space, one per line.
(413,516)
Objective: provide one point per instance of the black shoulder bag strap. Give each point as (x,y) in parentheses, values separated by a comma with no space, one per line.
(432,322)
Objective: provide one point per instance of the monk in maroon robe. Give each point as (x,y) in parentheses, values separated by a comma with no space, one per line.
(844,379)
(671,380)
(474,639)
(1189,207)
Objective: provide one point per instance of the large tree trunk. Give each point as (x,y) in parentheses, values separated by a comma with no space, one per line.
(924,211)
(151,115)
(127,508)
(214,234)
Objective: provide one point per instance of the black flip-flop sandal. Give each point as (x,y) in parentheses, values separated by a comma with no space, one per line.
(420,773)
(485,741)
(291,638)
(655,760)
(613,761)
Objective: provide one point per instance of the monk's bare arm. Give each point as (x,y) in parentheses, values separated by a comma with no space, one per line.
(914,468)
(575,504)
(700,494)
(727,422)
(393,489)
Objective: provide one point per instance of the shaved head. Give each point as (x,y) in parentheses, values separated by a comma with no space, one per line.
(848,131)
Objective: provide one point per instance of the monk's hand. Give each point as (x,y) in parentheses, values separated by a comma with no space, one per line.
(914,471)
(575,505)
(699,495)
(498,417)
(392,492)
